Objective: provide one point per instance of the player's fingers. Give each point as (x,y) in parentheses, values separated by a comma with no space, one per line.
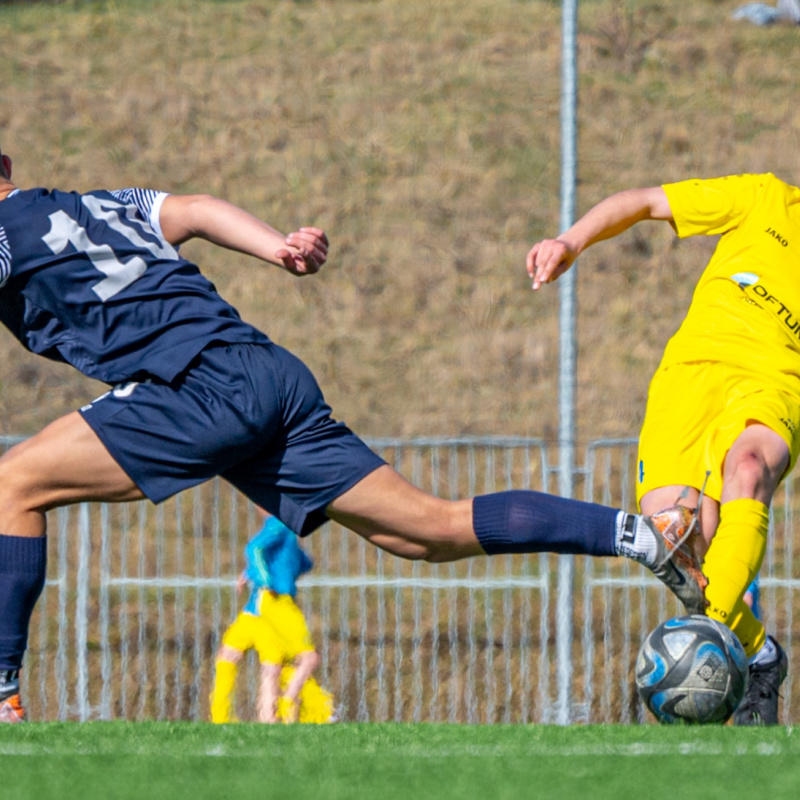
(289,261)
(309,237)
(317,233)
(551,262)
(310,243)
(543,263)
(552,270)
(530,260)
(302,262)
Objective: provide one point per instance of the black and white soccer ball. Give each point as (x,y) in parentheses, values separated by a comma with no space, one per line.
(691,669)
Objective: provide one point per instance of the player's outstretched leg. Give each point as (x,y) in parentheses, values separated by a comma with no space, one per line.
(65,463)
(396,516)
(760,703)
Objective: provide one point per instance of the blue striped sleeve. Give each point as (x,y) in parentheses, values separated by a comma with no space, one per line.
(5,257)
(147,202)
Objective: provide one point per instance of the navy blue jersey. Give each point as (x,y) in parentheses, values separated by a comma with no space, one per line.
(88,279)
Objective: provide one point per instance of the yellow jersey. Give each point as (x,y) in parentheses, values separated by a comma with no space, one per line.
(746,306)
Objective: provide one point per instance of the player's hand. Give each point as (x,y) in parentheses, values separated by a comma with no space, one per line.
(305,252)
(548,260)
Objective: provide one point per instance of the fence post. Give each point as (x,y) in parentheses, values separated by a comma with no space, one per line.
(82,613)
(566,375)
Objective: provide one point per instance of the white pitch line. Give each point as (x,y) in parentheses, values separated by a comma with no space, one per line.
(632,750)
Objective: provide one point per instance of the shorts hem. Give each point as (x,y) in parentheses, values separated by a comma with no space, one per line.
(119,457)
(317,517)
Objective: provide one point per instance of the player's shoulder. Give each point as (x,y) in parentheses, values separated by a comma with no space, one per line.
(136,195)
(756,181)
(781,185)
(736,192)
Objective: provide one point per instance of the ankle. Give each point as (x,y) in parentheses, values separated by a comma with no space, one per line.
(9,683)
(635,539)
(767,655)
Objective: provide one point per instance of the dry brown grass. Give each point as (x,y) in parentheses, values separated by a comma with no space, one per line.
(424,136)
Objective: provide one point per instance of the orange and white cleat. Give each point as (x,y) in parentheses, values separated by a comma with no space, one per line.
(678,564)
(11,710)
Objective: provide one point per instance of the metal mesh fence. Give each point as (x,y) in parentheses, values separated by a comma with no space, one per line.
(138,596)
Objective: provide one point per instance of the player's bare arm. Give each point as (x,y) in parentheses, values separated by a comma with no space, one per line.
(549,259)
(184,217)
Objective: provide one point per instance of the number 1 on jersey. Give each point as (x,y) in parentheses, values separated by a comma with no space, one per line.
(64,230)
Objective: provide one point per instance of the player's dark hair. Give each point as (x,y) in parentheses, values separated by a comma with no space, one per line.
(2,168)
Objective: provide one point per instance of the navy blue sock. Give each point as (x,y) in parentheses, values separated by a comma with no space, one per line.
(23,562)
(533,522)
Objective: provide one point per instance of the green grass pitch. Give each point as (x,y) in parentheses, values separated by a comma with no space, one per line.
(145,761)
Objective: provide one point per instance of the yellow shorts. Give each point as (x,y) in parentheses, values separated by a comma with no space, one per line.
(696,411)
(279,635)
(288,622)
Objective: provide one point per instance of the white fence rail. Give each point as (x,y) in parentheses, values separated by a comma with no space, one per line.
(137,597)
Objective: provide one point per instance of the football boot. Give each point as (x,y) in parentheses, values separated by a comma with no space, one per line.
(760,703)
(11,709)
(677,563)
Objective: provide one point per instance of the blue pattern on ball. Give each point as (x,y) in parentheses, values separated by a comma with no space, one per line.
(691,669)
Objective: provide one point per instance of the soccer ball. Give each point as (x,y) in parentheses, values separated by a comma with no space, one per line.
(691,669)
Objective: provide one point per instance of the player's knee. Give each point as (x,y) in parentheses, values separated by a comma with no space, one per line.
(750,475)
(310,660)
(440,553)
(442,549)
(228,653)
(443,534)
(17,488)
(432,551)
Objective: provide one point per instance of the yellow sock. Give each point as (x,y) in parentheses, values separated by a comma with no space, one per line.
(316,705)
(224,681)
(287,710)
(732,561)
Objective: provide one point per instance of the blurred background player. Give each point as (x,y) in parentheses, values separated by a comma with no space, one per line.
(752,597)
(725,401)
(273,625)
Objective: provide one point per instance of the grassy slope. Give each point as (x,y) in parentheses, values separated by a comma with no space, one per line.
(424,137)
(118,761)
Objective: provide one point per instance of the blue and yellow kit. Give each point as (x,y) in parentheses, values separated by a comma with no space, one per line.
(271,620)
(736,357)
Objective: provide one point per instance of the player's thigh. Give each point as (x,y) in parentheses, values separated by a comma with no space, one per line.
(683,404)
(64,463)
(759,423)
(395,515)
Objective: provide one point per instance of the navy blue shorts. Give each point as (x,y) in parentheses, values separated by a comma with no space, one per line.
(250,413)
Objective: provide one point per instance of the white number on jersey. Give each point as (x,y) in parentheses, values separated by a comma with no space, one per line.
(119,275)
